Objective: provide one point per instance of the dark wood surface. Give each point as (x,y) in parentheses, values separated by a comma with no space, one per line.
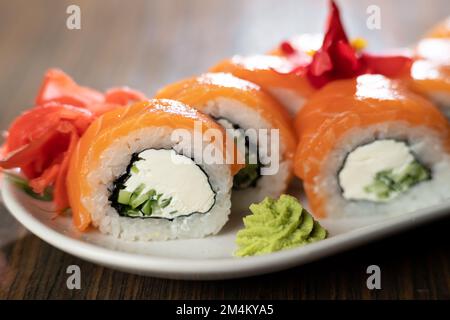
(146,44)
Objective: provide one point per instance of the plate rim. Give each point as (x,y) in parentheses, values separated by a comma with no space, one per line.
(214,268)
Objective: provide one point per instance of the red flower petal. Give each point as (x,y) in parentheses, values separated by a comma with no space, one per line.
(337,59)
(287,48)
(390,66)
(322,63)
(346,63)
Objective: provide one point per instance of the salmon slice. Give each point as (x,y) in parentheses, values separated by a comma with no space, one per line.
(266,71)
(357,103)
(198,91)
(430,73)
(430,77)
(119,123)
(273,74)
(441,30)
(437,50)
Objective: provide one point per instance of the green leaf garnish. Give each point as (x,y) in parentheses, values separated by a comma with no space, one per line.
(22,184)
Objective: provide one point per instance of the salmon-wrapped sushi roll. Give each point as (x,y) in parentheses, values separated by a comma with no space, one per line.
(430,72)
(432,79)
(434,49)
(273,74)
(249,115)
(369,146)
(441,30)
(133,176)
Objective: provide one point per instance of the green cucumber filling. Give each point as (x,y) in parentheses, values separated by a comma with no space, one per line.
(387,182)
(159,183)
(380,171)
(248,176)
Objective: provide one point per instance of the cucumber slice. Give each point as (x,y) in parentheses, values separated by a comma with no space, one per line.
(133,213)
(140,199)
(165,202)
(124,197)
(139,189)
(151,194)
(134,169)
(147,208)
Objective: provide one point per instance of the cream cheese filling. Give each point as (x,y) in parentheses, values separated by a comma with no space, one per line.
(379,171)
(177,184)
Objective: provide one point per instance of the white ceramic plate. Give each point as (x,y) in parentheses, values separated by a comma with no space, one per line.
(208,258)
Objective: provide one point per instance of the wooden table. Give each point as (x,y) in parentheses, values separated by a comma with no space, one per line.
(146,44)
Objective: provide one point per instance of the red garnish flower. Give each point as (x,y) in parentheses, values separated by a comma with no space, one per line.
(337,59)
(42,139)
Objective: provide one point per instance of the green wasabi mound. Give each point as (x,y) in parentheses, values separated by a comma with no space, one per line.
(277,225)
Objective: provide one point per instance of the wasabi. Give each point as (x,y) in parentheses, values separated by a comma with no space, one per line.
(277,225)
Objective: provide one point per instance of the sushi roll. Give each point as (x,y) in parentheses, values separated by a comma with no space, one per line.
(432,80)
(430,73)
(132,175)
(240,106)
(434,49)
(368,146)
(441,30)
(273,71)
(273,74)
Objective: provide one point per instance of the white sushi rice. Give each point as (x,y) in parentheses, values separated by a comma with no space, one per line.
(245,117)
(113,163)
(426,147)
